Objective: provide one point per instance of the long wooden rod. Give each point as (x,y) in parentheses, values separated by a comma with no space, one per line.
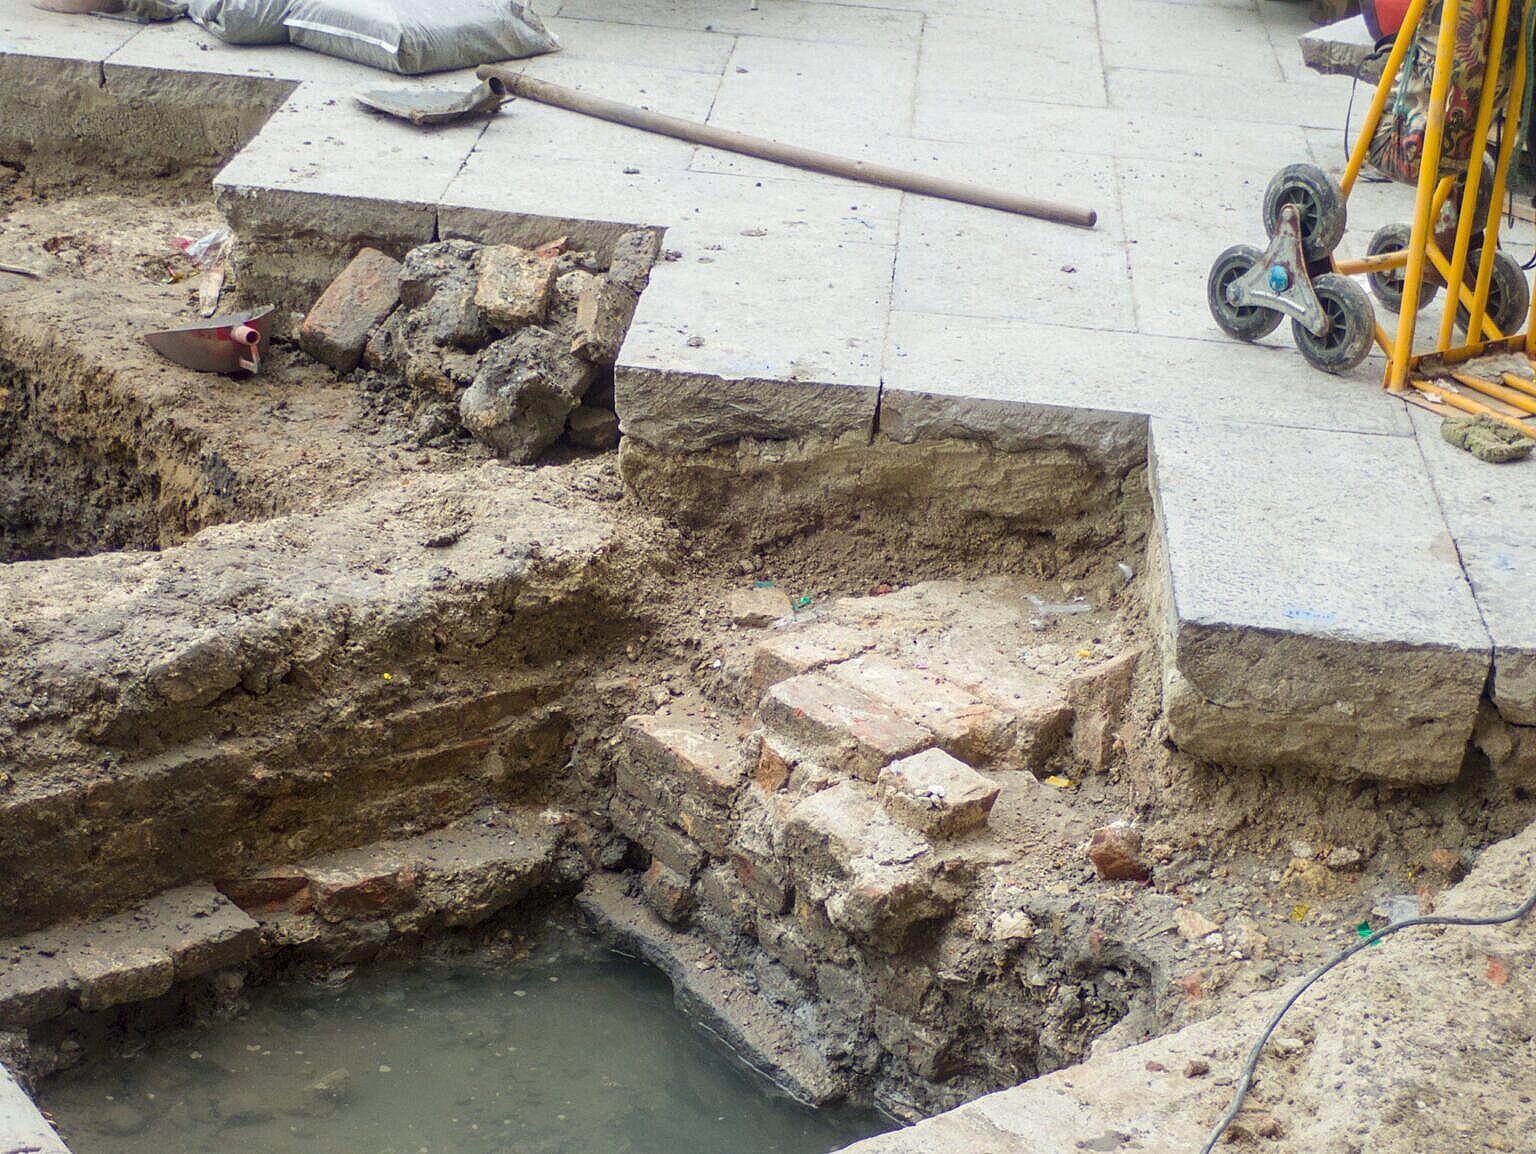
(507,81)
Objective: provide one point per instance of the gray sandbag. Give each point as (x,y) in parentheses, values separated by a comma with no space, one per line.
(242,21)
(411,37)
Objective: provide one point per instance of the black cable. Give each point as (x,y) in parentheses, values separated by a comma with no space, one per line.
(1382,49)
(1252,1065)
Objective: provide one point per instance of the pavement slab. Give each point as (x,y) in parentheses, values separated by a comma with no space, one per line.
(1489,510)
(1315,610)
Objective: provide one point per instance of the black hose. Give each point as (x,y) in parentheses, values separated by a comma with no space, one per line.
(1246,1081)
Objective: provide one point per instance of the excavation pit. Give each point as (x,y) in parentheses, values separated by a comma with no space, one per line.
(362,630)
(554,1044)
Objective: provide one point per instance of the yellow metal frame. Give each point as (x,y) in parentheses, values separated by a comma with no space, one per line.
(1405,369)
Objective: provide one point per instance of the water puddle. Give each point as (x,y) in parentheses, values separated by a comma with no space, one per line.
(569,1049)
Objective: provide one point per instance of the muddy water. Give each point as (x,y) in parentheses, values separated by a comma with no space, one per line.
(567,1050)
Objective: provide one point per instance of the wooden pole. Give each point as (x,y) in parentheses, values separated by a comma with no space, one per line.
(508,82)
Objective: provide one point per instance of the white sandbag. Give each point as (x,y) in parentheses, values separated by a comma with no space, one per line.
(410,36)
(242,21)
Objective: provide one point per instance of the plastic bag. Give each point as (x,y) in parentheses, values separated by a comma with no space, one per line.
(243,21)
(410,37)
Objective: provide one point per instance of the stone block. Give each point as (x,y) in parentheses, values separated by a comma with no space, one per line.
(466,875)
(1098,697)
(937,794)
(593,427)
(360,884)
(667,845)
(856,732)
(116,970)
(35,982)
(803,650)
(667,892)
(925,1051)
(633,255)
(603,313)
(199,927)
(758,606)
(514,286)
(962,724)
(1303,630)
(356,302)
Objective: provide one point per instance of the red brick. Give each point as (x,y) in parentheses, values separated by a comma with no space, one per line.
(856,732)
(962,723)
(337,328)
(667,892)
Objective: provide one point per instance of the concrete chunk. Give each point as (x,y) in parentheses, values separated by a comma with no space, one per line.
(514,286)
(857,732)
(356,302)
(603,313)
(936,793)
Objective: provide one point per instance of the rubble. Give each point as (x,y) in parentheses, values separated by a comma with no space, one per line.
(1115,851)
(502,342)
(338,326)
(514,286)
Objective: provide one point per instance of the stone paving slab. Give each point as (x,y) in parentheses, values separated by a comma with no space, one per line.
(804,304)
(1316,613)
(1492,512)
(22,1125)
(970,371)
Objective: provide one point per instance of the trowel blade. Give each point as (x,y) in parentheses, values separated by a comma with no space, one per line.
(212,346)
(430,105)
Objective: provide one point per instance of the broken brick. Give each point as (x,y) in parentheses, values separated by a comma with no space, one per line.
(857,732)
(667,892)
(1115,851)
(352,306)
(936,793)
(1098,697)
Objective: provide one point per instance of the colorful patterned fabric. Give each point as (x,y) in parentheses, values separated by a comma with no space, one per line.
(1398,144)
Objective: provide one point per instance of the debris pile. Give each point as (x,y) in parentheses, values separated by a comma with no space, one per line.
(514,346)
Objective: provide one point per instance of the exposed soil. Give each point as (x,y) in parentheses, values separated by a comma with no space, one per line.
(401,629)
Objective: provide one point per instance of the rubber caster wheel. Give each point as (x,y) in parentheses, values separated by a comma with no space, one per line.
(1245,322)
(1387,287)
(1509,295)
(1318,200)
(1351,324)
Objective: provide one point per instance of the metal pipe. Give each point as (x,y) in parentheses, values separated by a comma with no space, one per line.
(1405,37)
(1468,214)
(1429,169)
(507,81)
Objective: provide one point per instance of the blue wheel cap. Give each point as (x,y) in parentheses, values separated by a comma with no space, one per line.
(1279,279)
